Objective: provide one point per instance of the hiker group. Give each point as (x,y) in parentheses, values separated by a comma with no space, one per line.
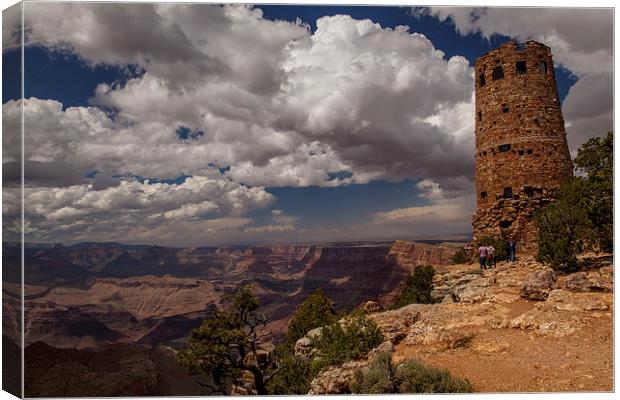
(487,254)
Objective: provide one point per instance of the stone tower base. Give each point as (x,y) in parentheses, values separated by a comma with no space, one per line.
(512,218)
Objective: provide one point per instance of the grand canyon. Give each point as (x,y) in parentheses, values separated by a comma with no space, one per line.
(97,296)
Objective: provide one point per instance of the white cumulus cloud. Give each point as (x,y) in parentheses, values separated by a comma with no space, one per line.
(138,210)
(377,102)
(269,103)
(581,40)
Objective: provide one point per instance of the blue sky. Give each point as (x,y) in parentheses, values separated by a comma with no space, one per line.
(333,207)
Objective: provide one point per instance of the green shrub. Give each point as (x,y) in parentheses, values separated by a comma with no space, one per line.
(582,214)
(562,227)
(595,159)
(378,378)
(336,345)
(294,374)
(382,377)
(498,244)
(339,343)
(418,287)
(414,377)
(462,257)
(314,312)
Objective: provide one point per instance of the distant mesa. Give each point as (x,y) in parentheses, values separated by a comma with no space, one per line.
(90,294)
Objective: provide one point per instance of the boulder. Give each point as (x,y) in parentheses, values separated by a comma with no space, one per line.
(589,282)
(538,285)
(545,323)
(395,332)
(597,282)
(449,298)
(467,278)
(570,301)
(335,380)
(440,292)
(384,347)
(577,282)
(303,348)
(315,333)
(439,334)
(395,324)
(245,385)
(438,279)
(473,291)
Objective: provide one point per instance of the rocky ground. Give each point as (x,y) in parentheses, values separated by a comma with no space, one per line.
(518,327)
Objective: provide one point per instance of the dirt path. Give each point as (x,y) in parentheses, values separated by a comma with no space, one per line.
(517,360)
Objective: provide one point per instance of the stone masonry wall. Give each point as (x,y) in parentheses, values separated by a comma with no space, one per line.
(522,154)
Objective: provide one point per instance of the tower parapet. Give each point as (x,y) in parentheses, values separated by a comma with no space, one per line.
(522,155)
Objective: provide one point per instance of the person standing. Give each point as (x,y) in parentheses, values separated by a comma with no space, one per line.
(513,250)
(490,256)
(507,249)
(482,251)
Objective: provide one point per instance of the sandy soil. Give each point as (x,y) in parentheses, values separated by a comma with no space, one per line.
(522,360)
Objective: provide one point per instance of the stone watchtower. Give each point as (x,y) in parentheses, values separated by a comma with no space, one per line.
(522,155)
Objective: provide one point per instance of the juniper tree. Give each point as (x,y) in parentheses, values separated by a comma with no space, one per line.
(582,214)
(316,310)
(228,343)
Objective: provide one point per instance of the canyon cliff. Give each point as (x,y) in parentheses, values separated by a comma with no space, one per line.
(89,294)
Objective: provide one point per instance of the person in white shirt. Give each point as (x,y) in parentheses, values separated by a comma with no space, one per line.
(490,256)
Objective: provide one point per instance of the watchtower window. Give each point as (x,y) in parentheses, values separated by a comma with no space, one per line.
(482,80)
(505,224)
(521,68)
(498,73)
(529,151)
(480,116)
(529,191)
(508,193)
(505,108)
(504,148)
(543,67)
(483,195)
